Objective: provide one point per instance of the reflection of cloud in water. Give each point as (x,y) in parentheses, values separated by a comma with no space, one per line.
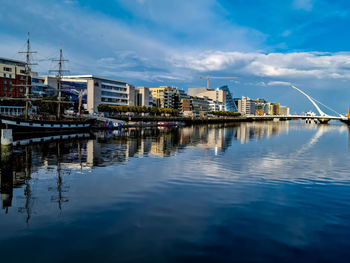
(275,166)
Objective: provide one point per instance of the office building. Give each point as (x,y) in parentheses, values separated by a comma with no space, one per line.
(142,97)
(221,94)
(195,91)
(274,109)
(229,102)
(215,95)
(284,110)
(95,90)
(199,106)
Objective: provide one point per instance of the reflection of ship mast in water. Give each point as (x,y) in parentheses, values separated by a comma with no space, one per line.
(25,177)
(28,195)
(27,191)
(59,178)
(59,184)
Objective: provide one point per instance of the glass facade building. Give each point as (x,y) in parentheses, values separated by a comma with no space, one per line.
(230,104)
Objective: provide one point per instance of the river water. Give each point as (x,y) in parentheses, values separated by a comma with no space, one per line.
(247,192)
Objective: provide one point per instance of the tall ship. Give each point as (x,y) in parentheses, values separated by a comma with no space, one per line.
(33,122)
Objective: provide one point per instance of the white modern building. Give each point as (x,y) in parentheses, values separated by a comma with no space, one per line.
(284,110)
(216,105)
(246,105)
(95,90)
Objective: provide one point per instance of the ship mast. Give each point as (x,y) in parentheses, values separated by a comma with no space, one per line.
(28,52)
(59,76)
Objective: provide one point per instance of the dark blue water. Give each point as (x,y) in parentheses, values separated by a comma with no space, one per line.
(264,192)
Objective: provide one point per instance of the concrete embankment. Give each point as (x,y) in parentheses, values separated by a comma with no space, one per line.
(190,121)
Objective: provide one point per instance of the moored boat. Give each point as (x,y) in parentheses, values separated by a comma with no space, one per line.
(22,125)
(171,123)
(347,118)
(347,121)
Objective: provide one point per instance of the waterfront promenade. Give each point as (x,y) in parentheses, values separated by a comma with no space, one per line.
(246,118)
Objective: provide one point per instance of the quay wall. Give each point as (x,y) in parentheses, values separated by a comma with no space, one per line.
(194,120)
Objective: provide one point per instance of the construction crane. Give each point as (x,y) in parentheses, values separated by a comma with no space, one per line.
(208,78)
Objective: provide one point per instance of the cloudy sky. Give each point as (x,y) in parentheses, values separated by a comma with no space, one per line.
(174,42)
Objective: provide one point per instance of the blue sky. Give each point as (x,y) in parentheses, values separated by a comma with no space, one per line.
(174,42)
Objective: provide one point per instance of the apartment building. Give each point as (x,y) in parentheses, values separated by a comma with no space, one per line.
(12,77)
(165,97)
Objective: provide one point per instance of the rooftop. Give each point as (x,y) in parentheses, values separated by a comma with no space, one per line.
(12,61)
(92,77)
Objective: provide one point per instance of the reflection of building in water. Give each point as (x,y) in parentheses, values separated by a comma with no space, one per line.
(258,130)
(112,148)
(220,136)
(118,146)
(207,137)
(93,151)
(165,144)
(145,146)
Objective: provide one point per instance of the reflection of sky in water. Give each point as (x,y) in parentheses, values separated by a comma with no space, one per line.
(248,192)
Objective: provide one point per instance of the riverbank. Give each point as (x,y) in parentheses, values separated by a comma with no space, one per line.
(195,120)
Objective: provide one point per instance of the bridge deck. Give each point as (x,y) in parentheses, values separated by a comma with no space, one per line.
(294,117)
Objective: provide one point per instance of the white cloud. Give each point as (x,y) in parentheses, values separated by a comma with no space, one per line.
(70,2)
(303,4)
(279,83)
(314,65)
(98,44)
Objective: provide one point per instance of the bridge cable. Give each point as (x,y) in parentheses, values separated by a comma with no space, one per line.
(327,107)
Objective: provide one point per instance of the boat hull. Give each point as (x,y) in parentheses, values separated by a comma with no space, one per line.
(20,125)
(347,121)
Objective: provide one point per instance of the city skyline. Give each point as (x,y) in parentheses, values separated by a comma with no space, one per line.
(153,43)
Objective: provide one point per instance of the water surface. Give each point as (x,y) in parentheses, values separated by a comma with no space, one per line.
(248,192)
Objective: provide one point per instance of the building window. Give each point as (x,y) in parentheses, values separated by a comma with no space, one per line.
(5,82)
(8,69)
(10,82)
(22,71)
(21,89)
(10,75)
(5,75)
(5,88)
(10,88)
